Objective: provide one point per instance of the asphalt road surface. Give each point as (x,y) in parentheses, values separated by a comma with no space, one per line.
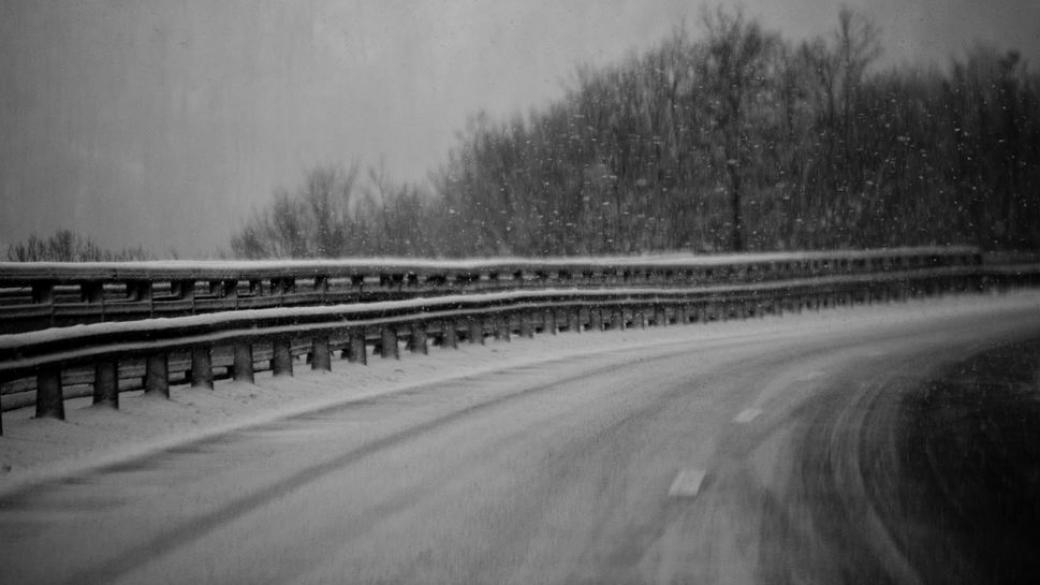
(875,453)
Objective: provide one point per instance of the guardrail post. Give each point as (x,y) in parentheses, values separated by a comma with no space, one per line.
(526,327)
(281,358)
(476,329)
(91,291)
(43,291)
(156,375)
(201,367)
(106,383)
(450,337)
(709,310)
(388,342)
(285,285)
(243,364)
(49,400)
(139,290)
(417,339)
(595,319)
(358,352)
(551,325)
(217,288)
(185,290)
(321,285)
(617,319)
(574,320)
(502,326)
(321,359)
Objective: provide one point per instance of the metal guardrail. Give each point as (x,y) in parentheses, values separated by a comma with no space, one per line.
(40,295)
(102,360)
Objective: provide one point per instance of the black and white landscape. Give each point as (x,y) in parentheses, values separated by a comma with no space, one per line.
(347,291)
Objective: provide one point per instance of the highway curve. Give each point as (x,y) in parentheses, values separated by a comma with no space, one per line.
(878,452)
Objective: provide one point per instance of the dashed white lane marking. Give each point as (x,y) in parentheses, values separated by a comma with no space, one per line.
(687,483)
(747,415)
(812,375)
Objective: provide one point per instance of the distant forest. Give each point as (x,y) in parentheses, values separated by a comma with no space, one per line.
(68,246)
(727,138)
(731,139)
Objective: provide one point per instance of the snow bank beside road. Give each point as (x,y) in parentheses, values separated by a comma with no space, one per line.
(32,450)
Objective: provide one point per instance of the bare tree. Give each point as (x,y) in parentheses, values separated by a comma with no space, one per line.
(737,68)
(68,246)
(316,221)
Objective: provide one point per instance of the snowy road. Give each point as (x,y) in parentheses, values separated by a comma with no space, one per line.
(759,457)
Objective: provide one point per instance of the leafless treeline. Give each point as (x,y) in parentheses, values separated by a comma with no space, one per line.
(729,138)
(68,246)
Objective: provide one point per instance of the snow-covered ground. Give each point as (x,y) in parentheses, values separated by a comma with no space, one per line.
(33,450)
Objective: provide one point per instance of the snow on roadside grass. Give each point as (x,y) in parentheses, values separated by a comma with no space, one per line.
(33,450)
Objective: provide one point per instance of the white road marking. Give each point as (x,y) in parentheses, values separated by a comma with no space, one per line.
(747,415)
(687,483)
(812,375)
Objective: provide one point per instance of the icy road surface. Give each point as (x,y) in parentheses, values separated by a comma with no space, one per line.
(761,453)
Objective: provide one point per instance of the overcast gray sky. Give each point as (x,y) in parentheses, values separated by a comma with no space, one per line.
(164,122)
